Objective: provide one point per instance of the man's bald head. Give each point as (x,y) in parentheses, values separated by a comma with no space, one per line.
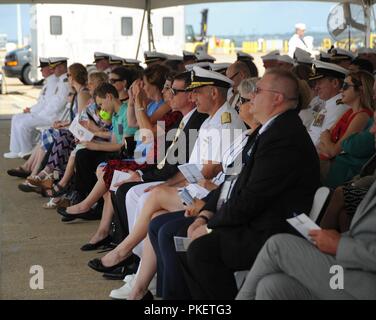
(237,72)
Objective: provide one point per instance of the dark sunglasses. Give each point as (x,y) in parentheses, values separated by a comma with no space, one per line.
(112,81)
(243,100)
(174,91)
(347,85)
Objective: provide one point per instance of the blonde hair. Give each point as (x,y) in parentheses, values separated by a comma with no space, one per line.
(305,94)
(363,81)
(101,77)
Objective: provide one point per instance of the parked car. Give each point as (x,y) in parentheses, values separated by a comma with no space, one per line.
(17,64)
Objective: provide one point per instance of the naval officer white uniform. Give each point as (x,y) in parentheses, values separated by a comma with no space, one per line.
(17,146)
(22,131)
(331,110)
(216,135)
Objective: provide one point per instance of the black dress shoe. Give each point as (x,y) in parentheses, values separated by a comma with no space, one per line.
(20,173)
(121,272)
(88,215)
(95,246)
(97,265)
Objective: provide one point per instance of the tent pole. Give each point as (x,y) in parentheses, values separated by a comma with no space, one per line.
(367,18)
(139,38)
(151,44)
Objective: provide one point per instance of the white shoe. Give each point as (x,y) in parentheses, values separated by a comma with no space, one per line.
(24,154)
(123,292)
(11,155)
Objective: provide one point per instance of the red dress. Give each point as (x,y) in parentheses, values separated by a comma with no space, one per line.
(170,119)
(342,125)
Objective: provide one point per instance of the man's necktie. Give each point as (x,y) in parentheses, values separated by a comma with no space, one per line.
(163,161)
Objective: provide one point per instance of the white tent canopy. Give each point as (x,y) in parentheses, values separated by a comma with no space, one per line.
(148,5)
(155,4)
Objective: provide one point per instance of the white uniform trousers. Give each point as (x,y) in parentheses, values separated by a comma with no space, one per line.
(134,201)
(23,131)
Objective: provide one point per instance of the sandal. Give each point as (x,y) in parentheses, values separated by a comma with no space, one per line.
(45,182)
(57,190)
(19,172)
(51,204)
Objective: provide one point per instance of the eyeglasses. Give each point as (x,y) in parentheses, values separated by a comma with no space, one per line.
(243,100)
(112,81)
(258,90)
(175,91)
(233,76)
(347,85)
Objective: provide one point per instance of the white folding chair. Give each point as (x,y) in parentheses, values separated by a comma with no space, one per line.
(318,202)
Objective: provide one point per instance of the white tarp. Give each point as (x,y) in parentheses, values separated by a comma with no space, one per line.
(154,4)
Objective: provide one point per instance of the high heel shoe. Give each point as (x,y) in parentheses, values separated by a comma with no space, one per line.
(95,246)
(97,265)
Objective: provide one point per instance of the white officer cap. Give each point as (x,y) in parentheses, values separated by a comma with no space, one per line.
(43,62)
(302,56)
(100,56)
(300,26)
(341,54)
(131,62)
(204,57)
(219,67)
(204,65)
(285,58)
(188,55)
(322,69)
(241,55)
(366,51)
(115,60)
(55,61)
(271,55)
(153,56)
(174,57)
(201,77)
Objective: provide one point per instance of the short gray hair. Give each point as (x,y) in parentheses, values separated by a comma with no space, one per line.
(247,86)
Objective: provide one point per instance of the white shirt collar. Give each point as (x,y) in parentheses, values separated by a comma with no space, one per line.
(188,116)
(333,99)
(266,125)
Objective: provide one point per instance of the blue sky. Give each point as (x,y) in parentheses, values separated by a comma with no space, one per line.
(224,18)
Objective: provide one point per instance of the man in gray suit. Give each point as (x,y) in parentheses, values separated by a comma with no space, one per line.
(289,267)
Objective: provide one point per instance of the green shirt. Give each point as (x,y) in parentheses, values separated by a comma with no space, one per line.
(120,124)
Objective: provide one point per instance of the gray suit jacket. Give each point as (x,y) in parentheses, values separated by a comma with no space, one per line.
(356,252)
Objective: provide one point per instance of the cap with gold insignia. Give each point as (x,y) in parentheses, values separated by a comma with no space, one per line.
(115,60)
(43,62)
(201,78)
(55,61)
(303,57)
(271,55)
(154,56)
(131,62)
(219,67)
(340,54)
(204,57)
(241,55)
(100,56)
(322,69)
(204,65)
(187,55)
